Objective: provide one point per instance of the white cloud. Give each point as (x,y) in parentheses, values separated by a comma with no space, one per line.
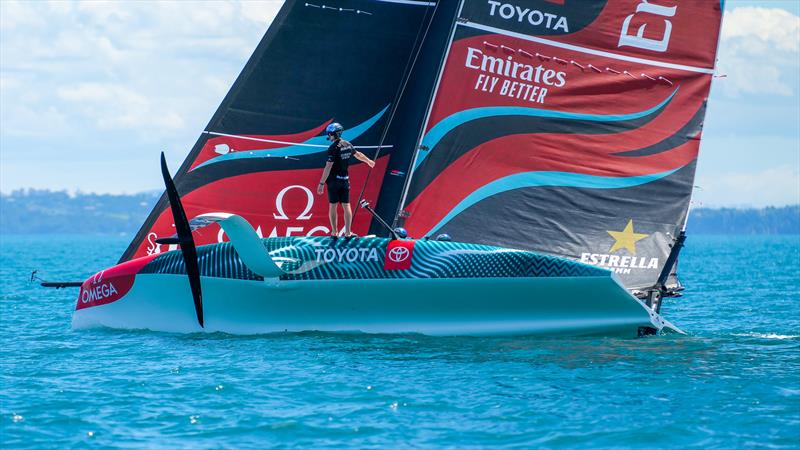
(60,6)
(216,85)
(112,83)
(96,92)
(777,27)
(261,11)
(759,52)
(114,106)
(135,66)
(104,11)
(27,121)
(120,79)
(18,15)
(8,82)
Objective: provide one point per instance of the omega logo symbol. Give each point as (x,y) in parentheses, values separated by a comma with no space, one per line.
(281,215)
(98,277)
(398,254)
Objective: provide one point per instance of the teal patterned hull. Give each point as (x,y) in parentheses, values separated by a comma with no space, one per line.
(323,258)
(364,285)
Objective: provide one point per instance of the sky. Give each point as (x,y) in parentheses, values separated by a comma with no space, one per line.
(92,91)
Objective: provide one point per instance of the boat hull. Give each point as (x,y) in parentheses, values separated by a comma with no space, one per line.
(464,306)
(370,285)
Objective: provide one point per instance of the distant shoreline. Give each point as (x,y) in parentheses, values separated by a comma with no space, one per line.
(34,211)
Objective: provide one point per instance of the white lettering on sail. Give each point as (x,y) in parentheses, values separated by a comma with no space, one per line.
(534,17)
(281,215)
(290,230)
(152,245)
(638,40)
(508,67)
(619,264)
(304,215)
(532,79)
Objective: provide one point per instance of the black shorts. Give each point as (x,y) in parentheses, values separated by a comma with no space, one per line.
(339,191)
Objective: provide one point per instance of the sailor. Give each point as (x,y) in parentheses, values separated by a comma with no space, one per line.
(337,179)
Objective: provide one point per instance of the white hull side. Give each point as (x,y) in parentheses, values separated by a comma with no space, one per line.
(494,306)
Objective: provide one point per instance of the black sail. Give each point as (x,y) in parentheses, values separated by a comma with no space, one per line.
(262,152)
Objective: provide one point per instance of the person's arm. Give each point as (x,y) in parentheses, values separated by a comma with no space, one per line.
(325,172)
(361,157)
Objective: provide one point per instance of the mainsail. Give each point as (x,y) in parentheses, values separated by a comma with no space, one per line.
(567,127)
(262,152)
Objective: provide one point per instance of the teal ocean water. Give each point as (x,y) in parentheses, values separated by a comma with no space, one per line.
(732,382)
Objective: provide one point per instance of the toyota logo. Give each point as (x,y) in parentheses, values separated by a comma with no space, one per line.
(398,254)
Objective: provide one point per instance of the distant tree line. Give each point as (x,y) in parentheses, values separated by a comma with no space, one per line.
(769,220)
(33,211)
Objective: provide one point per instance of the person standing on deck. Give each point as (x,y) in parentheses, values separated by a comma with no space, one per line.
(337,179)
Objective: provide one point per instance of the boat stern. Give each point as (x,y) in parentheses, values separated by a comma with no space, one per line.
(104,288)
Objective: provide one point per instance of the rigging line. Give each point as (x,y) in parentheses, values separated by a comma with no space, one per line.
(429,109)
(408,69)
(401,90)
(299,144)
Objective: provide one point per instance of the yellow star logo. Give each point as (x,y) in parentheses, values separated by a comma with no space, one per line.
(626,238)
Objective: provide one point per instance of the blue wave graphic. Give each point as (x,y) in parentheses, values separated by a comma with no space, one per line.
(298,150)
(552,179)
(450,122)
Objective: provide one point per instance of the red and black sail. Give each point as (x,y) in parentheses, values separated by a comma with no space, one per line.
(568,127)
(262,153)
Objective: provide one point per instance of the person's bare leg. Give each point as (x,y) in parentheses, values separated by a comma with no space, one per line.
(333,219)
(348,218)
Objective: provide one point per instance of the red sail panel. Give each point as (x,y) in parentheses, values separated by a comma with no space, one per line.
(570,128)
(286,206)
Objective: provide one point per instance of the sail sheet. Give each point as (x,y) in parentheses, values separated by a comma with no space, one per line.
(262,153)
(568,127)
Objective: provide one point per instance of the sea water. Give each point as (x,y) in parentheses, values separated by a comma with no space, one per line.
(733,381)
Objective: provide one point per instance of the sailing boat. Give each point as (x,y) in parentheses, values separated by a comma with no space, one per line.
(554,141)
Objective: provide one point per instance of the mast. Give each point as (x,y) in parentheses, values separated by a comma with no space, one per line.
(412,108)
(398,216)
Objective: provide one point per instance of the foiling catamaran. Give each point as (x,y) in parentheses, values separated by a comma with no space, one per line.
(554,140)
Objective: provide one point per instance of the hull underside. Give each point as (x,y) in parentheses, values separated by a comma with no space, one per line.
(463,306)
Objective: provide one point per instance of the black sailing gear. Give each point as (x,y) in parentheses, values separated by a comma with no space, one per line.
(339,153)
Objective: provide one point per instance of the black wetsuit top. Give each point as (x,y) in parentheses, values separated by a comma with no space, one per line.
(339,153)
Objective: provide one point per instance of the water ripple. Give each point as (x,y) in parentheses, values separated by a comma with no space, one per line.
(730,383)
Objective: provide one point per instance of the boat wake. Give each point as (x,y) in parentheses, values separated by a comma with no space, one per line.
(767,335)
